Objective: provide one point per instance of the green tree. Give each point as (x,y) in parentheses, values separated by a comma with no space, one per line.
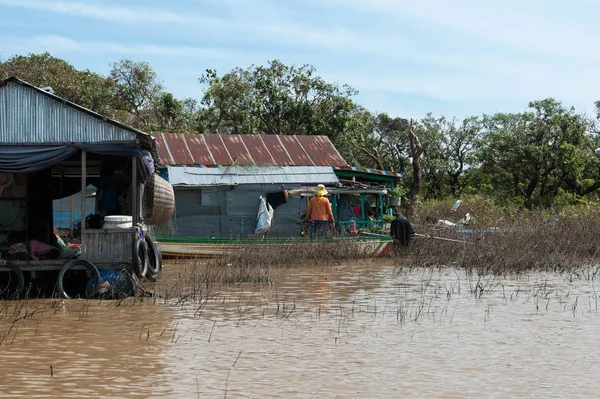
(378,141)
(586,180)
(449,150)
(275,99)
(136,90)
(534,153)
(229,106)
(84,88)
(172,115)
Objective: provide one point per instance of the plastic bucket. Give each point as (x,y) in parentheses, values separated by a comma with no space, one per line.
(117,222)
(115,283)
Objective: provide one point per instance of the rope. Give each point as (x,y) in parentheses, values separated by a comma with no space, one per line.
(441,238)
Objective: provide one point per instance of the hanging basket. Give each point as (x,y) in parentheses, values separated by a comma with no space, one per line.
(158,201)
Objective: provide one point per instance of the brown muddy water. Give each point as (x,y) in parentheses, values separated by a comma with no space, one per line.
(360,330)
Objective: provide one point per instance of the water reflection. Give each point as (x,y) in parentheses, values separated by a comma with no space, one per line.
(85,349)
(353,330)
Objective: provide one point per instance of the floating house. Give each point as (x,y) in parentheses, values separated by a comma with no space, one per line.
(50,149)
(218,180)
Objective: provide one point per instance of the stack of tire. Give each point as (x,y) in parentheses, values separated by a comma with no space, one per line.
(146,260)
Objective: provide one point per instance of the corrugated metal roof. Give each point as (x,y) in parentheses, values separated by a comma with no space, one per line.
(29,115)
(242,150)
(378,172)
(234,175)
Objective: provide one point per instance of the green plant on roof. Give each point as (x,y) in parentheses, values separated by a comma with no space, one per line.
(397,191)
(388,218)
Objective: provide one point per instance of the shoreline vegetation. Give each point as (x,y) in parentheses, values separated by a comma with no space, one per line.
(503,241)
(497,242)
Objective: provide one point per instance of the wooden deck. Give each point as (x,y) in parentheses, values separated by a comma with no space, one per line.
(108,245)
(105,248)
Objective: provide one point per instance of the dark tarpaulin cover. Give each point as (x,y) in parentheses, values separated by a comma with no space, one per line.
(31,158)
(124,150)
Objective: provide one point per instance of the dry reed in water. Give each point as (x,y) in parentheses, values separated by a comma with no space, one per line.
(534,242)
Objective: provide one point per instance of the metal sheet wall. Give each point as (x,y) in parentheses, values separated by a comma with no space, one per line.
(198,213)
(28,116)
(226,212)
(242,209)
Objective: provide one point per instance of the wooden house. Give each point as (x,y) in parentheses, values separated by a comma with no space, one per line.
(51,148)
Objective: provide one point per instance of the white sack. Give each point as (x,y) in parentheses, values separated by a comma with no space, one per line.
(264,217)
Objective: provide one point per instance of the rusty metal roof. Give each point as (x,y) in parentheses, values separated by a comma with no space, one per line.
(180,149)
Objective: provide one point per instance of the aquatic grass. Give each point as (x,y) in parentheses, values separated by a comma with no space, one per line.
(292,254)
(535,242)
(254,265)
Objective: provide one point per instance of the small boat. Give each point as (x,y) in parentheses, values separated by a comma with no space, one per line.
(362,246)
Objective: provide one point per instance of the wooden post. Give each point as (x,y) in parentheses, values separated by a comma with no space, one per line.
(362,207)
(72,216)
(334,205)
(134,191)
(83,192)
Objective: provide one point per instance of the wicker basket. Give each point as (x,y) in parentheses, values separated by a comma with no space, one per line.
(158,201)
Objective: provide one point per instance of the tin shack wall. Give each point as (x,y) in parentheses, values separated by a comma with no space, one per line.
(30,116)
(230,212)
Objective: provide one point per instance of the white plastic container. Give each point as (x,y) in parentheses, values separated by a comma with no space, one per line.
(117,222)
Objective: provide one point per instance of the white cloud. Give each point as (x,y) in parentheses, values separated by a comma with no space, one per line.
(524,25)
(99,11)
(335,39)
(463,51)
(157,50)
(483,52)
(52,44)
(63,45)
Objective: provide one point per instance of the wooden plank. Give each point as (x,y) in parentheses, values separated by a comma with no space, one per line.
(109,245)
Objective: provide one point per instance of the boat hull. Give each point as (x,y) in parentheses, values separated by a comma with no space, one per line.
(370,247)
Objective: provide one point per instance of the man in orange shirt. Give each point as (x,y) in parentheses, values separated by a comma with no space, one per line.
(319,213)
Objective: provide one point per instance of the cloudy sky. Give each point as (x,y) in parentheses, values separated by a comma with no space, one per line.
(407,58)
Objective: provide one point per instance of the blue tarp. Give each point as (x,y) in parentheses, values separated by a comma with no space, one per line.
(31,158)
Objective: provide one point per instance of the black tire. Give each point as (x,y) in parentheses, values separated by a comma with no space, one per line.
(154,257)
(20,280)
(139,259)
(77,262)
(159,255)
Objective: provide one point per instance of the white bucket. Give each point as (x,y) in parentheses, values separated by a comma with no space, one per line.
(117,222)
